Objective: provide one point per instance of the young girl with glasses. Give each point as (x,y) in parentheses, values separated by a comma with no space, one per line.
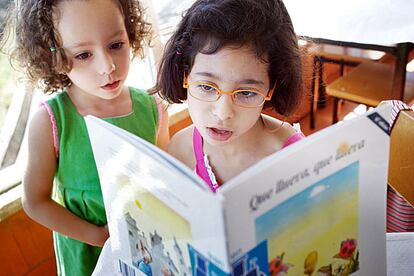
(82,50)
(230,59)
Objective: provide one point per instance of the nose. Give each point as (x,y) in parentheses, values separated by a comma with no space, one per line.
(223,108)
(106,64)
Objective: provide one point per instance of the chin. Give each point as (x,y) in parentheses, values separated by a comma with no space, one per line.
(218,143)
(109,95)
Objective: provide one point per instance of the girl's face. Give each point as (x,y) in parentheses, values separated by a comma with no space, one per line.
(95,40)
(229,69)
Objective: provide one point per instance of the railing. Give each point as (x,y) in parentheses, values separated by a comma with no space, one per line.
(13,151)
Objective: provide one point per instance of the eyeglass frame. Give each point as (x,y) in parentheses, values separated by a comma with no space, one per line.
(268,97)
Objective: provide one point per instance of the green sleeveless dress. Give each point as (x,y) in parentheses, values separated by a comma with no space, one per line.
(76,184)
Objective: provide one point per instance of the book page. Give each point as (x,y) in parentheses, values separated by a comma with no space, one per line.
(317,206)
(159,213)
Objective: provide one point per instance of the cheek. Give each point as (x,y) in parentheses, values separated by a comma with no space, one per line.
(197,110)
(124,58)
(79,69)
(249,117)
(79,74)
(193,107)
(123,66)
(75,75)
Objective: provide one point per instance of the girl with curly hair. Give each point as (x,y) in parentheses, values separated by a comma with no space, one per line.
(81,50)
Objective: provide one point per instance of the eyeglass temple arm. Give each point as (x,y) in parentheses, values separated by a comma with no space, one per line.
(185,81)
(270,94)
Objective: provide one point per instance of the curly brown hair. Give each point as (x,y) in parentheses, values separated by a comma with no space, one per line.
(37,47)
(210,25)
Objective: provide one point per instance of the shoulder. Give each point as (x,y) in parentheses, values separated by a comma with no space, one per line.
(58,104)
(144,101)
(57,97)
(138,90)
(282,134)
(40,130)
(142,96)
(284,129)
(181,146)
(141,93)
(145,98)
(41,118)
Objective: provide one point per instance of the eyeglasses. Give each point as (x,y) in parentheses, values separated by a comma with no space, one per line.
(208,92)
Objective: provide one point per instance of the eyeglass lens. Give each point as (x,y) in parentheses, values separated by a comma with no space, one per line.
(206,92)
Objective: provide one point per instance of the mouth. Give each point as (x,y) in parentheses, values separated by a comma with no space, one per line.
(112,85)
(219,134)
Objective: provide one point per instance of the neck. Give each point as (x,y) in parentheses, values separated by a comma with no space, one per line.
(87,104)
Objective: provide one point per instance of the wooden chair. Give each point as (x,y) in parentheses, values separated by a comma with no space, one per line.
(333,54)
(401,164)
(368,84)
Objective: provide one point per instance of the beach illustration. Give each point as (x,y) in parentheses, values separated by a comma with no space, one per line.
(316,231)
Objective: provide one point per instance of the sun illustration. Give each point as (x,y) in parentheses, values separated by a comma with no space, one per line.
(343,148)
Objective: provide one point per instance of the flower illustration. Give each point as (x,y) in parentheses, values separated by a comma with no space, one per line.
(347,249)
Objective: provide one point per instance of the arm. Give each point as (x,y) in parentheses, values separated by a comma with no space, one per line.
(163,135)
(38,183)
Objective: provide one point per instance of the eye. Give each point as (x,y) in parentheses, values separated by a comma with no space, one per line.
(83,56)
(247,94)
(248,98)
(116,45)
(206,88)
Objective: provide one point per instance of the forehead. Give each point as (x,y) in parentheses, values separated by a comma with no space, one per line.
(81,20)
(232,63)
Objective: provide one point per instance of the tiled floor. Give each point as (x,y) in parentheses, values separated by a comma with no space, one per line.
(26,247)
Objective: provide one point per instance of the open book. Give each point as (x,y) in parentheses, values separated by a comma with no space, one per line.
(316,207)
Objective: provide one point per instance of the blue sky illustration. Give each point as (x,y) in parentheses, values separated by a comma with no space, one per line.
(342,182)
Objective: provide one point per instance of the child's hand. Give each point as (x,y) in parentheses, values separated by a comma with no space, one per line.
(99,236)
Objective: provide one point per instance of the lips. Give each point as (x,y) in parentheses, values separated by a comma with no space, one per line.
(219,134)
(111,86)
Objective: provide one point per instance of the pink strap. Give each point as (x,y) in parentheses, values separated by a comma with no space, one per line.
(54,127)
(293,138)
(160,112)
(201,169)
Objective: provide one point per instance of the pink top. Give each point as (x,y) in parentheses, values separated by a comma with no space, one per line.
(203,168)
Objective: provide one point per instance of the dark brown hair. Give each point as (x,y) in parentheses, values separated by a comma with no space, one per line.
(31,22)
(209,25)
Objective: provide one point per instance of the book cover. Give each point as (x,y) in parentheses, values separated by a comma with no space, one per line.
(316,207)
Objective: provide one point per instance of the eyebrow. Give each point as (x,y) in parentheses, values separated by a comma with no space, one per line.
(82,44)
(242,81)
